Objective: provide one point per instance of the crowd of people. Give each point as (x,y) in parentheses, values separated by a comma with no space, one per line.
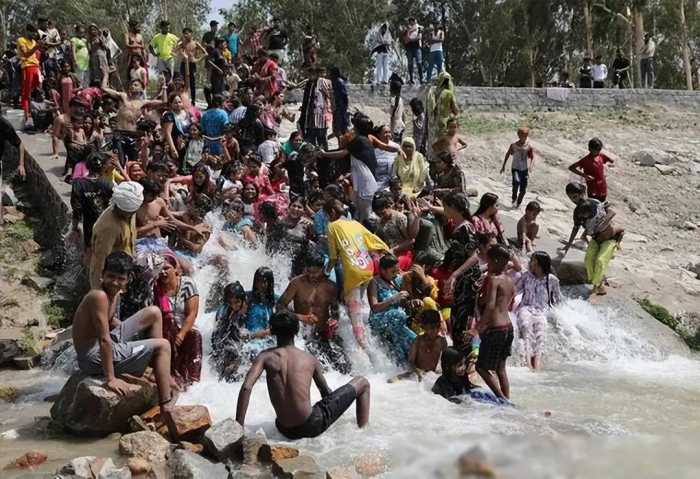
(380,226)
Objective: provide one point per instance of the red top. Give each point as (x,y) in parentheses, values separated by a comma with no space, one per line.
(594,165)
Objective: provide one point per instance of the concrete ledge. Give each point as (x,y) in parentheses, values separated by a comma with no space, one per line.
(516,99)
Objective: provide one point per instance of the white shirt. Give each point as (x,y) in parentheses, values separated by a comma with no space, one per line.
(268,151)
(649,49)
(599,72)
(437,47)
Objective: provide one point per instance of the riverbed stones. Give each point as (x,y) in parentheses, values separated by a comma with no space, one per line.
(274,453)
(300,467)
(139,466)
(10,344)
(342,472)
(251,445)
(370,464)
(665,169)
(147,445)
(651,157)
(86,407)
(91,467)
(185,464)
(223,440)
(190,422)
(473,464)
(29,460)
(8,393)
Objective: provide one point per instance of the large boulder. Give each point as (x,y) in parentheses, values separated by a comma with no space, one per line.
(651,157)
(572,268)
(185,464)
(91,467)
(86,407)
(10,344)
(224,439)
(300,467)
(189,422)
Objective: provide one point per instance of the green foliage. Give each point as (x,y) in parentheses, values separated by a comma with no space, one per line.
(660,313)
(56,316)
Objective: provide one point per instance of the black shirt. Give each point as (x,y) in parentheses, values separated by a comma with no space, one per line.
(89,197)
(277,40)
(208,38)
(7,133)
(449,390)
(362,148)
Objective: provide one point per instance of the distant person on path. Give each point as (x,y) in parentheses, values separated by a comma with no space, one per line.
(592,168)
(412,43)
(289,373)
(162,46)
(648,62)
(599,71)
(437,37)
(107,345)
(382,43)
(81,56)
(9,135)
(620,68)
(586,74)
(522,152)
(441,105)
(28,49)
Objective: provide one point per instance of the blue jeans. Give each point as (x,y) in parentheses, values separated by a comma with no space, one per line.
(414,53)
(435,60)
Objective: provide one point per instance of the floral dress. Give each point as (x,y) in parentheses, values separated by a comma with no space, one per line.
(539,295)
(391,325)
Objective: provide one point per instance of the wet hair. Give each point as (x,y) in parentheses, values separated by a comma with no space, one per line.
(313,259)
(118,262)
(545,262)
(295,134)
(362,123)
(203,204)
(235,205)
(483,239)
(217,101)
(334,206)
(416,106)
(204,188)
(234,291)
(150,186)
(230,167)
(186,30)
(575,188)
(487,201)
(388,261)
(455,256)
(314,196)
(284,325)
(459,202)
(257,191)
(429,317)
(381,201)
(426,258)
(499,253)
(594,144)
(268,211)
(584,211)
(446,157)
(534,206)
(267,296)
(335,191)
(95,161)
(450,359)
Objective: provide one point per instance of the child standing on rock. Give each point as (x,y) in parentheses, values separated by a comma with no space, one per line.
(521,151)
(592,168)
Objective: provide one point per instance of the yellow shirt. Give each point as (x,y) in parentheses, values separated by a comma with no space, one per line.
(24,46)
(163,44)
(352,243)
(110,233)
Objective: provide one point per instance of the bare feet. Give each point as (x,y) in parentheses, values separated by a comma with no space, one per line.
(601,291)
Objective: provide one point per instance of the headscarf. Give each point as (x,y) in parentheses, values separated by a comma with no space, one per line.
(412,171)
(128,196)
(437,123)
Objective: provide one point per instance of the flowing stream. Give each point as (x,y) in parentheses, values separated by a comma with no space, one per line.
(623,397)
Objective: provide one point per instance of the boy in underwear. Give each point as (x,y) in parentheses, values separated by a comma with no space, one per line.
(528,228)
(427,348)
(289,372)
(494,326)
(108,346)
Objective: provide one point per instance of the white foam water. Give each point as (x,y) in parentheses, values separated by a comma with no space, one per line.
(617,404)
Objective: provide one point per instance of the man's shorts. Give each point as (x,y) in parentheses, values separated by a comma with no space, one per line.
(128,356)
(323,415)
(495,347)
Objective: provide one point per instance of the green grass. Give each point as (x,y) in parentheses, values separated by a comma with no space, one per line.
(56,316)
(664,316)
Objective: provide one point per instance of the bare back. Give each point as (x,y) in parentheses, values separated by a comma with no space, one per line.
(314,297)
(496,301)
(289,375)
(94,306)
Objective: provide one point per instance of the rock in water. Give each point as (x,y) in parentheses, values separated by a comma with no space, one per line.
(370,464)
(223,440)
(85,407)
(342,472)
(270,453)
(10,344)
(30,459)
(251,446)
(78,467)
(139,466)
(185,464)
(8,393)
(190,422)
(473,464)
(297,468)
(91,467)
(147,445)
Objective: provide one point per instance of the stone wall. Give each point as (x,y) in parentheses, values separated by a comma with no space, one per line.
(531,99)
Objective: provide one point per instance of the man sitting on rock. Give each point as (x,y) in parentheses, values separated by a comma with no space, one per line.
(289,374)
(106,345)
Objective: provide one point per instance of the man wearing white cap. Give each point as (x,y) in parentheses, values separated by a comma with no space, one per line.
(115,229)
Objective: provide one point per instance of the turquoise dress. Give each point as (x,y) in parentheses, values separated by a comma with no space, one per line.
(391,325)
(259,314)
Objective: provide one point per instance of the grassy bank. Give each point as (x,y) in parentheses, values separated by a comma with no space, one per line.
(663,315)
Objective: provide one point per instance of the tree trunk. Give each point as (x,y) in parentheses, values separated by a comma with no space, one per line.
(638,20)
(686,50)
(531,66)
(588,23)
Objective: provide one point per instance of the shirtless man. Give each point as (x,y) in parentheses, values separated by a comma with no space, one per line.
(315,303)
(62,126)
(494,326)
(154,215)
(427,348)
(289,373)
(105,345)
(188,48)
(131,105)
